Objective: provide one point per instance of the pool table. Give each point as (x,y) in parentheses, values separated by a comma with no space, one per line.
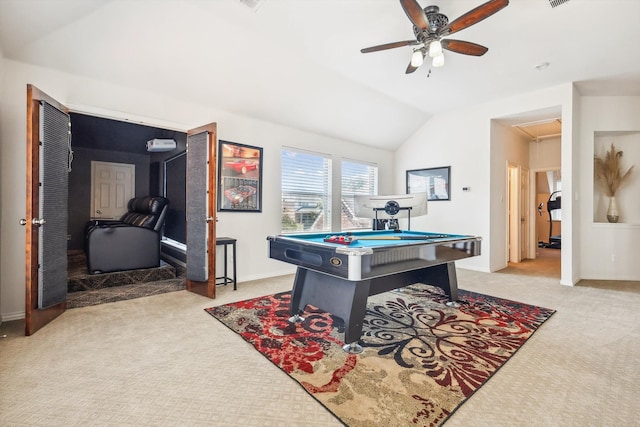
(337,272)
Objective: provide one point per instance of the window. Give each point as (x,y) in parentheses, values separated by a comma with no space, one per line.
(357,178)
(306,192)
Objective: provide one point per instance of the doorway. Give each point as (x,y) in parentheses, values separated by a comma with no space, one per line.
(533,146)
(545,259)
(105,145)
(548,226)
(111,166)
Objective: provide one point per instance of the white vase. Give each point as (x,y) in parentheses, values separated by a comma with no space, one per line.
(612,212)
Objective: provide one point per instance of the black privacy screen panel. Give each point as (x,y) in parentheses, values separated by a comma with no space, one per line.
(54,178)
(197,196)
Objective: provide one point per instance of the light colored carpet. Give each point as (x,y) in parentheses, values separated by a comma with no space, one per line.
(162,360)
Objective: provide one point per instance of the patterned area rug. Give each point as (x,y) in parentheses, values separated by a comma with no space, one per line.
(421,359)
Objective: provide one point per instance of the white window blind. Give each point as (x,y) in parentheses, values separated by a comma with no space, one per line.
(306,191)
(357,178)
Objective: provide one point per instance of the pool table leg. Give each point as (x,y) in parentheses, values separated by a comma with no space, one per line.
(296,294)
(343,298)
(444,276)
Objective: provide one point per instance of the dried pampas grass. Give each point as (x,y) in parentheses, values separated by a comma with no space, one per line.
(608,171)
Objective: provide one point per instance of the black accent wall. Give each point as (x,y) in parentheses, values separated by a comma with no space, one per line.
(106,140)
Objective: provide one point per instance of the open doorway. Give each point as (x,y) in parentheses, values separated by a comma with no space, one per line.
(544,258)
(51,200)
(103,141)
(540,256)
(549,209)
(548,223)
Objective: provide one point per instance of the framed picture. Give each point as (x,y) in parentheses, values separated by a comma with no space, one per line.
(433,181)
(239,177)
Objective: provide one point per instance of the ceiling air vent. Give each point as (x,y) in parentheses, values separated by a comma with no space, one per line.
(556,3)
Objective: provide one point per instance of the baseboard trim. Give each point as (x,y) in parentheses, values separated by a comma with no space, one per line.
(13,316)
(268,275)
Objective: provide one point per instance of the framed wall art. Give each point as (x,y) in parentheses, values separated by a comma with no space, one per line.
(239,177)
(433,181)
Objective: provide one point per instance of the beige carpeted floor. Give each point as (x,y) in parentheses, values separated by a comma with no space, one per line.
(162,361)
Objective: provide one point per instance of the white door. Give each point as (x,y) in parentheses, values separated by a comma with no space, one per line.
(524,213)
(112,186)
(513,214)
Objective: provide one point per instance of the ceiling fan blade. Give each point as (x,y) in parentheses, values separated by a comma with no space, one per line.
(474,16)
(466,48)
(389,46)
(415,13)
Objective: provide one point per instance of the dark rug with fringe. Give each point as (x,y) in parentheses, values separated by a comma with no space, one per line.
(422,359)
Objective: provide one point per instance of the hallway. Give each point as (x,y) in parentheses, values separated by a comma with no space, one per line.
(546,264)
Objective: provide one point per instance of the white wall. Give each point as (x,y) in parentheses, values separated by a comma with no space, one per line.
(458,139)
(95,97)
(610,250)
(571,152)
(590,250)
(1,156)
(463,138)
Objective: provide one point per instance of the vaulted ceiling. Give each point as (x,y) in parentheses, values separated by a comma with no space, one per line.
(298,62)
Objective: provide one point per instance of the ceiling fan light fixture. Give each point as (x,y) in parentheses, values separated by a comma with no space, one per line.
(435,48)
(438,61)
(417,58)
(430,27)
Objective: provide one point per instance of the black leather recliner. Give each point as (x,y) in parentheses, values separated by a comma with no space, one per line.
(133,242)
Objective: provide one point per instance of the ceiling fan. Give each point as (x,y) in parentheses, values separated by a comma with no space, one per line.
(430,26)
